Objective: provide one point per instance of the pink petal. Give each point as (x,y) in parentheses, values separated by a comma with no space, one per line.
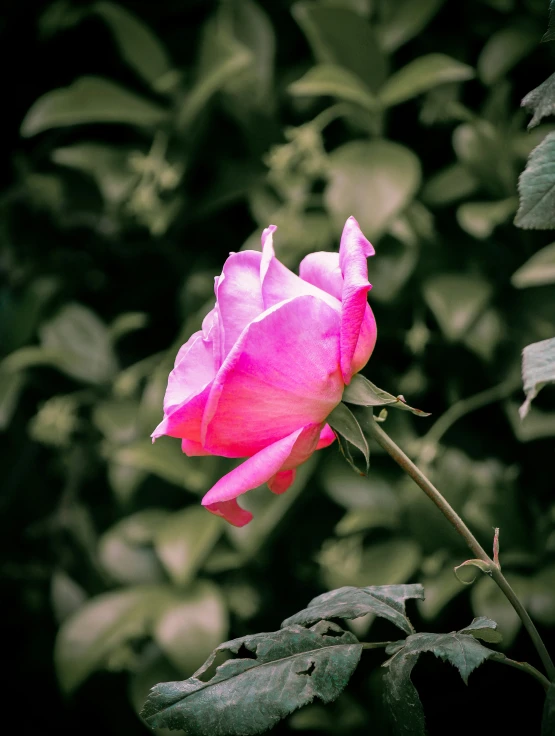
(283,455)
(353,252)
(322,269)
(239,295)
(193,370)
(280,482)
(283,373)
(185,420)
(327,437)
(279,283)
(193,449)
(231,511)
(366,341)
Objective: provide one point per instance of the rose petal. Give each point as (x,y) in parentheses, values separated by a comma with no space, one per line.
(280,482)
(366,341)
(353,252)
(322,269)
(283,373)
(185,421)
(239,295)
(327,437)
(231,511)
(283,455)
(193,370)
(193,449)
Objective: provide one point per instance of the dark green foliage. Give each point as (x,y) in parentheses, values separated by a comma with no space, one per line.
(246,695)
(457,648)
(385,601)
(548,721)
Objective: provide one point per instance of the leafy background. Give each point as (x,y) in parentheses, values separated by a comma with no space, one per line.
(142,143)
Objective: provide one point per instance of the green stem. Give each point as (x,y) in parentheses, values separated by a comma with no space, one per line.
(451,515)
(523,667)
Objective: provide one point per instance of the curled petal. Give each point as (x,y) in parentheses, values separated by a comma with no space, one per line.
(366,341)
(185,420)
(193,449)
(239,295)
(283,373)
(193,370)
(322,269)
(353,252)
(230,511)
(280,482)
(283,455)
(327,437)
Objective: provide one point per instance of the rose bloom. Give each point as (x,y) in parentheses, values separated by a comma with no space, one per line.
(270,364)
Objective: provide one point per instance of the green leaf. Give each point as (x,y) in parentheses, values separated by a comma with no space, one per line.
(405,19)
(80,344)
(184,540)
(341,36)
(248,695)
(385,601)
(90,100)
(192,626)
(536,188)
(503,51)
(487,155)
(343,421)
(107,165)
(373,180)
(537,424)
(125,550)
(98,630)
(481,218)
(333,80)
(485,629)
(222,58)
(363,392)
(461,650)
(539,270)
(421,75)
(541,101)
(137,43)
(165,460)
(66,596)
(538,369)
(548,719)
(456,301)
(446,186)
(117,419)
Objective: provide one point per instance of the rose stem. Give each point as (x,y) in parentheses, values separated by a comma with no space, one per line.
(451,515)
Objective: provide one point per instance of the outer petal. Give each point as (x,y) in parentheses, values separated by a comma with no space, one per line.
(193,449)
(366,341)
(239,295)
(353,252)
(327,437)
(322,269)
(283,373)
(185,421)
(281,481)
(282,455)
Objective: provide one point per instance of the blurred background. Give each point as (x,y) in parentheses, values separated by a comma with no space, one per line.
(144,141)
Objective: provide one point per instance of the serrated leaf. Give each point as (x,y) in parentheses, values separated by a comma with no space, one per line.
(480,219)
(462,651)
(192,626)
(184,540)
(90,100)
(333,80)
(384,601)
(87,640)
(363,392)
(405,19)
(485,629)
(503,50)
(456,301)
(539,270)
(375,179)
(342,420)
(421,75)
(538,369)
(540,101)
(137,43)
(536,188)
(245,696)
(548,718)
(341,36)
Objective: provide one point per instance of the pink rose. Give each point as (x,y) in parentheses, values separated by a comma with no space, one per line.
(270,364)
